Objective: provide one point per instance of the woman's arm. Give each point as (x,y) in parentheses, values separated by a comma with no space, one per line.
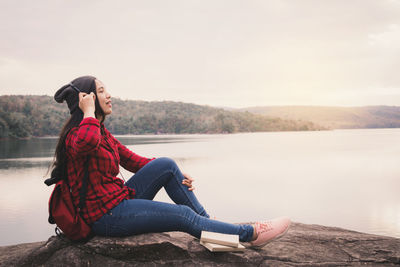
(87,137)
(128,159)
(133,162)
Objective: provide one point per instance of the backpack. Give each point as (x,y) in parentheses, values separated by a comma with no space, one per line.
(62,210)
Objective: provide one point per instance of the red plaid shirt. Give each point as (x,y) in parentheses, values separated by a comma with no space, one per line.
(105,190)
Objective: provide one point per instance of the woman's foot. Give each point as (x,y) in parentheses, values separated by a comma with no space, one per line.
(268,231)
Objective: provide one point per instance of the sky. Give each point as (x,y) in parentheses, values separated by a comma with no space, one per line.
(225,53)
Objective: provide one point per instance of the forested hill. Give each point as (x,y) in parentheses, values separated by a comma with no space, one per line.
(33,115)
(336,117)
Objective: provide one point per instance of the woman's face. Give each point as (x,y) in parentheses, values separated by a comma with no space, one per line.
(104,97)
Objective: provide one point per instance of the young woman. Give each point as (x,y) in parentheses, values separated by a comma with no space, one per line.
(115,208)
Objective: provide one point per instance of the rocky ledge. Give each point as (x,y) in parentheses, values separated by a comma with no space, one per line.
(303,245)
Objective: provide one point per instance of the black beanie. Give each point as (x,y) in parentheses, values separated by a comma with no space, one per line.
(68,92)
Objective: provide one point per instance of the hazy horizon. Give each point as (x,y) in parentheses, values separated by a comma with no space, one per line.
(226,53)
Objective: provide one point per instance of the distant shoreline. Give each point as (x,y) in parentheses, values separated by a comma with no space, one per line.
(32,116)
(191,134)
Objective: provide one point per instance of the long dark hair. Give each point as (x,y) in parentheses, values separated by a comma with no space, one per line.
(59,164)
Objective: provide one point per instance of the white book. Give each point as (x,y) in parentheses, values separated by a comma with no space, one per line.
(220,239)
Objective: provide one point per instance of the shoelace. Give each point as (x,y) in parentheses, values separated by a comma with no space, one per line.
(264,227)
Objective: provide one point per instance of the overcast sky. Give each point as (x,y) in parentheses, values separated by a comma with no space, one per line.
(214,52)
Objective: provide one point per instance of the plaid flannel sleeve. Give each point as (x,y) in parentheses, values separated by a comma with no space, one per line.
(85,138)
(128,159)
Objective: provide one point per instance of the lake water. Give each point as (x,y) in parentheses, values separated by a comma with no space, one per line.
(344,178)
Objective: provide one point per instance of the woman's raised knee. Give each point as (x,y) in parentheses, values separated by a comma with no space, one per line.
(166,162)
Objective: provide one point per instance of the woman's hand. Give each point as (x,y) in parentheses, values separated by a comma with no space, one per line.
(86,104)
(188,181)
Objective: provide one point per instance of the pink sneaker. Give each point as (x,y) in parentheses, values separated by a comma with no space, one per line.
(269,230)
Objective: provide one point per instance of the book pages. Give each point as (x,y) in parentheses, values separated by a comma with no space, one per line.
(220,239)
(221,248)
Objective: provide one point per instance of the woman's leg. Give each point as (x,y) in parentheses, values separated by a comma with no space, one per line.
(138,216)
(163,172)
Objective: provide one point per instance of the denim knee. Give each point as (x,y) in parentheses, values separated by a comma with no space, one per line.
(166,163)
(187,217)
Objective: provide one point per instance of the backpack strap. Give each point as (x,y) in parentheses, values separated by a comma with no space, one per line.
(52,180)
(56,176)
(83,190)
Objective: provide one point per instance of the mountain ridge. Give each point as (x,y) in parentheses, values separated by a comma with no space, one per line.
(335,117)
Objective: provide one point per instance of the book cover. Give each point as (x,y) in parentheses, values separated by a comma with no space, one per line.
(220,239)
(221,248)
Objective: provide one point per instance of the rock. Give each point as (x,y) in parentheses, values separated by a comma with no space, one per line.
(303,245)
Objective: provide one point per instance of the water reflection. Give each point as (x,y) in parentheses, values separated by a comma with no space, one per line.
(45,147)
(23,205)
(158,139)
(30,148)
(18,163)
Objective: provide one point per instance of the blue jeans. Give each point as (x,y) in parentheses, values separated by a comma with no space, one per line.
(144,215)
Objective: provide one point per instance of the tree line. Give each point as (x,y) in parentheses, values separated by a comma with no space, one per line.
(24,116)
